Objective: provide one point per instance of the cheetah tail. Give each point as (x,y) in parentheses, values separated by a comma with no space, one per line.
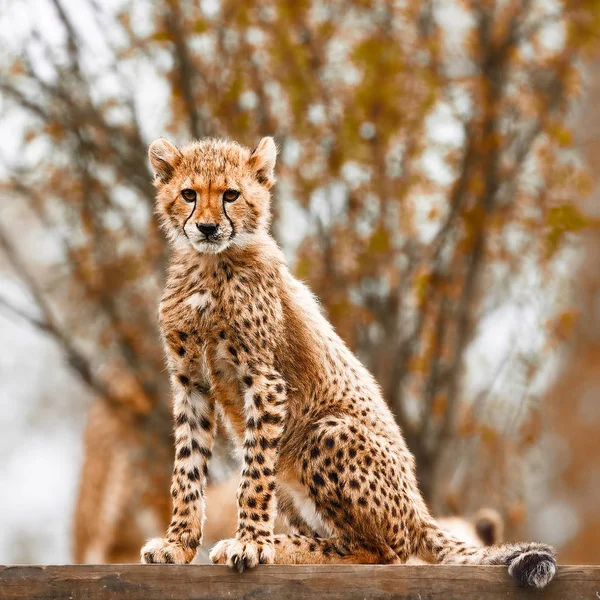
(530,563)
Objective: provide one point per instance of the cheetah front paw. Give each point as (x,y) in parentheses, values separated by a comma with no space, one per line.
(242,554)
(160,550)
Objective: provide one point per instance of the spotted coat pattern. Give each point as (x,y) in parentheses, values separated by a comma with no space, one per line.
(246,339)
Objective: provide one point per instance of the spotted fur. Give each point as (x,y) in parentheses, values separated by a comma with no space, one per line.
(486,528)
(316,436)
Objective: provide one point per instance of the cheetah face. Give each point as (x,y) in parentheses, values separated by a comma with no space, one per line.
(213,193)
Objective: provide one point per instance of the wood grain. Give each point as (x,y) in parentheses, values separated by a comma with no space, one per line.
(204,582)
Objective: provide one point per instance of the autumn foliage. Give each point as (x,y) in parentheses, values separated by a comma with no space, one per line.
(427,176)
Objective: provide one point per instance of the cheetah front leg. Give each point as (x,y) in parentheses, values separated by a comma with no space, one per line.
(265,412)
(194,414)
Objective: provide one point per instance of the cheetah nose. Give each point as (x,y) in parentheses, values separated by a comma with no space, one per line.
(207,229)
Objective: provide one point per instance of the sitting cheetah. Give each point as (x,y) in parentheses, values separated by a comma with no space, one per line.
(319,444)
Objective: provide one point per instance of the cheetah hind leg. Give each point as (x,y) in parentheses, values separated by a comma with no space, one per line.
(303,550)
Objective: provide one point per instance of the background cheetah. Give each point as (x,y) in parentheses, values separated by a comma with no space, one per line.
(319,444)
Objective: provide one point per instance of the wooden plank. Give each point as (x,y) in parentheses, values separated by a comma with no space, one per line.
(307,582)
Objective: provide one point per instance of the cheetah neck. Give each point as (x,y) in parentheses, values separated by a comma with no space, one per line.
(253,253)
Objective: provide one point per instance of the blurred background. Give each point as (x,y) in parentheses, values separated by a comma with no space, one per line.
(437,188)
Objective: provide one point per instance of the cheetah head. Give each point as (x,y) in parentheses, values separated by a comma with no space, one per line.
(213,193)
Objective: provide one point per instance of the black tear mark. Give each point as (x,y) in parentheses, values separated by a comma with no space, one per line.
(189,217)
(227,217)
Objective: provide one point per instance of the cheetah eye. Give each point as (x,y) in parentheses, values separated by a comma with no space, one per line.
(230,195)
(188,195)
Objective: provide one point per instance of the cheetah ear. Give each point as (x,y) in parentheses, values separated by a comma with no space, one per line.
(489,526)
(164,157)
(262,161)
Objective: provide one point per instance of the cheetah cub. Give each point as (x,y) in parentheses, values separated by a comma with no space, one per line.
(245,339)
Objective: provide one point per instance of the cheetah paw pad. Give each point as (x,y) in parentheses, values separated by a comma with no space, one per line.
(242,555)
